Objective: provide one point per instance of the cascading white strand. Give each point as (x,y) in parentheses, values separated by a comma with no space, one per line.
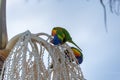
(26,60)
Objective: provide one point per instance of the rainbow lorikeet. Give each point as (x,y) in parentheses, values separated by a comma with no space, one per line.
(78,54)
(61,35)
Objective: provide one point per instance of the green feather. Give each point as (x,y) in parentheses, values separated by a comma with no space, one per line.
(64,35)
(75,45)
(63,31)
(60,35)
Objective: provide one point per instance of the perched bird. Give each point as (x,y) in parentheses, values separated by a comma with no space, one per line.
(61,35)
(78,55)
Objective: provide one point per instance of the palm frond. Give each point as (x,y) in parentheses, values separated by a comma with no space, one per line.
(114,6)
(105,16)
(3,30)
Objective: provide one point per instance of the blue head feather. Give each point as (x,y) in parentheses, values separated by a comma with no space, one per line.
(80,59)
(56,40)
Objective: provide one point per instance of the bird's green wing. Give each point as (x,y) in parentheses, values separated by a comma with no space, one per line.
(60,35)
(67,35)
(75,45)
(65,32)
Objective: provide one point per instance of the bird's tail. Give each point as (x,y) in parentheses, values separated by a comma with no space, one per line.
(76,45)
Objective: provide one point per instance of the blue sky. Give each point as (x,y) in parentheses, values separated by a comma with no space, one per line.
(84,19)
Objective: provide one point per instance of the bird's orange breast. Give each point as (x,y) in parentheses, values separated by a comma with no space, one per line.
(53,32)
(76,52)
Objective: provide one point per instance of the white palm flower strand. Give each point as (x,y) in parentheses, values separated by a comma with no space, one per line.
(32,56)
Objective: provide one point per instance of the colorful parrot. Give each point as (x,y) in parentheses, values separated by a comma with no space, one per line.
(78,54)
(61,35)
